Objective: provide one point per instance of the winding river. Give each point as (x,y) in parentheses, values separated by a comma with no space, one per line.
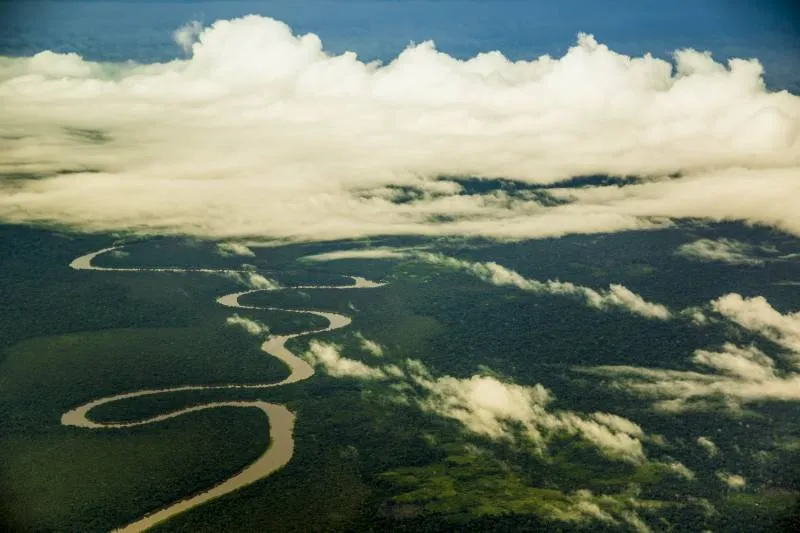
(281,420)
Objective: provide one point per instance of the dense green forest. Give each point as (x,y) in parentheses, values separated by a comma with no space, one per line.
(365,461)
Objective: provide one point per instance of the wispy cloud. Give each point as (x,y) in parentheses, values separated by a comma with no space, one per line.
(369,345)
(724,250)
(615,297)
(382,252)
(681,470)
(733,481)
(339,131)
(708,445)
(250,279)
(731,376)
(620,510)
(234,249)
(253,327)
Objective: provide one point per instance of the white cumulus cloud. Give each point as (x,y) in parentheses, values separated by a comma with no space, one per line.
(497,409)
(261,134)
(488,406)
(328,356)
(756,314)
(187,35)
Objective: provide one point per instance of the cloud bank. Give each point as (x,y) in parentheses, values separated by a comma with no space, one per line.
(259,133)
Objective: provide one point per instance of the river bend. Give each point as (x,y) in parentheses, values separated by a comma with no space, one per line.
(281,420)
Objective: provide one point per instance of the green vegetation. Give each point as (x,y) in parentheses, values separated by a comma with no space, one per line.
(68,479)
(79,367)
(364,462)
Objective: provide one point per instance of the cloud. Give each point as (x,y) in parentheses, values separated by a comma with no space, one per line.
(251,279)
(583,509)
(484,404)
(681,470)
(756,314)
(733,481)
(729,377)
(488,406)
(708,445)
(370,346)
(615,297)
(234,248)
(252,327)
(328,357)
(583,506)
(263,135)
(187,35)
(381,252)
(723,250)
(734,376)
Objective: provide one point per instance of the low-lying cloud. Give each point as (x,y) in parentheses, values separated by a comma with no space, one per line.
(250,279)
(488,406)
(708,445)
(253,327)
(381,252)
(756,314)
(259,133)
(728,377)
(328,357)
(369,345)
(228,249)
(723,250)
(733,481)
(615,297)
